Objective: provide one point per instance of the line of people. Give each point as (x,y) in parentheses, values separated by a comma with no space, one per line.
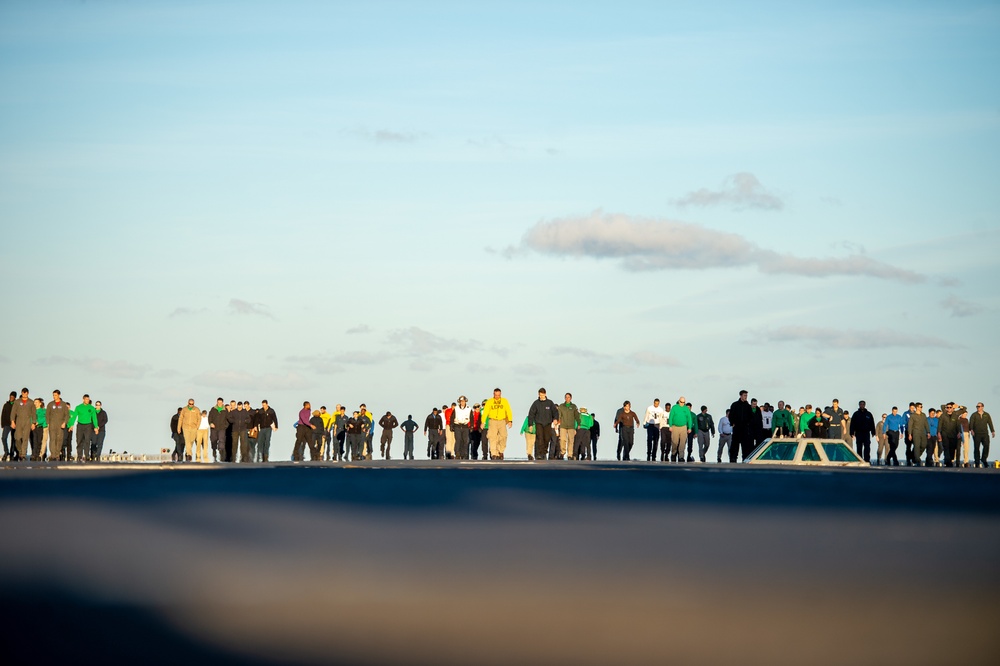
(34,430)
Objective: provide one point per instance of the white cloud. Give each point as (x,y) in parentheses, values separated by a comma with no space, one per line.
(414,341)
(579,353)
(240,380)
(961,308)
(105,368)
(359,330)
(741,191)
(187,312)
(834,338)
(386,135)
(644,244)
(240,307)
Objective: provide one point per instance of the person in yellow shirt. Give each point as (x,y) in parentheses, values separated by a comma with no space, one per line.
(327,424)
(501,419)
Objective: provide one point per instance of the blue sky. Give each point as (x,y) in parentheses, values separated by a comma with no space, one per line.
(398,203)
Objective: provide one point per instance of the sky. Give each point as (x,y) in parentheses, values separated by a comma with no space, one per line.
(398,203)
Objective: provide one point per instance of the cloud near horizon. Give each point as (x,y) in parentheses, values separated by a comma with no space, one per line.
(103,367)
(961,308)
(647,244)
(741,191)
(835,338)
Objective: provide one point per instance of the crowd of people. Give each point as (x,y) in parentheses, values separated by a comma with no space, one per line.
(239,432)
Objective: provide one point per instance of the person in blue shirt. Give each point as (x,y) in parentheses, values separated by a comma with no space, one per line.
(894,423)
(932,450)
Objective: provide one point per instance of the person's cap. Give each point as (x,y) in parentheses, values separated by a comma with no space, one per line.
(583,410)
(462,397)
(542,390)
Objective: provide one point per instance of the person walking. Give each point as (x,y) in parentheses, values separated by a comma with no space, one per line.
(461,417)
(476,431)
(595,434)
(267,423)
(625,424)
(23,418)
(569,422)
(918,430)
(725,435)
(303,432)
(651,422)
(500,418)
(581,442)
(981,424)
(543,415)
(664,428)
(188,426)
(175,434)
(706,431)
(39,435)
(57,416)
(836,417)
(100,432)
(218,421)
(681,423)
(8,430)
(201,439)
(84,417)
(781,423)
(949,432)
(355,433)
(409,426)
(241,420)
(741,417)
(434,432)
(388,423)
(880,438)
(893,426)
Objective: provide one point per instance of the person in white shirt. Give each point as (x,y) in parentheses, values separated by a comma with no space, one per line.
(665,433)
(201,439)
(461,415)
(651,422)
(725,435)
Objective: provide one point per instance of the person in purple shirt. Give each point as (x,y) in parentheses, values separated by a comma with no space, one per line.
(303,432)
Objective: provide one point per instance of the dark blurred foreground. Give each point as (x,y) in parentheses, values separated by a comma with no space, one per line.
(499,563)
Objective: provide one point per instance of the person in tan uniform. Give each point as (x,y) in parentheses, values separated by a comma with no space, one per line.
(188,425)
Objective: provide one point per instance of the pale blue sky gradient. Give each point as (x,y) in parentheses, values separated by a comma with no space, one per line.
(205,198)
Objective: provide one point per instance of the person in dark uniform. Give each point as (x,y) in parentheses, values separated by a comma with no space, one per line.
(543,415)
(625,423)
(861,429)
(820,425)
(741,417)
(434,431)
(388,423)
(218,422)
(7,430)
(354,429)
(178,454)
(316,436)
(240,419)
(267,423)
(595,433)
(409,426)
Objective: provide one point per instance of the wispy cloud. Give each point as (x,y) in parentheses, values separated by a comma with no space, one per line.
(240,307)
(386,135)
(187,312)
(644,244)
(653,359)
(102,367)
(961,308)
(741,191)
(834,338)
(359,330)
(240,380)
(578,352)
(414,341)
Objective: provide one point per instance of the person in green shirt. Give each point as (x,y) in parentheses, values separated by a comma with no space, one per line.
(528,430)
(85,419)
(40,435)
(581,444)
(681,422)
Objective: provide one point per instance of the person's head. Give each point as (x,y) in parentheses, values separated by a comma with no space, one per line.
(38,403)
(477,407)
(835,403)
(949,408)
(322,410)
(919,407)
(343,410)
(819,412)
(306,405)
(627,406)
(704,408)
(239,406)
(809,407)
(86,399)
(355,413)
(25,393)
(980,407)
(781,404)
(681,401)
(541,393)
(453,405)
(496,393)
(895,409)
(97,405)
(861,404)
(569,397)
(264,404)
(232,403)
(727,412)
(219,402)
(203,412)
(57,395)
(388,413)
(885,416)
(463,401)
(434,411)
(912,406)
(754,402)
(656,402)
(316,413)
(13,396)
(931,412)
(409,416)
(743,395)
(666,406)
(180,409)
(362,408)
(190,402)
